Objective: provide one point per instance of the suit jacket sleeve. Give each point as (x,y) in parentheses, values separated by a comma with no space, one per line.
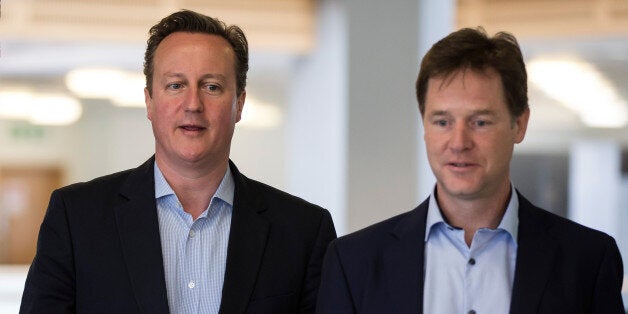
(334,295)
(607,294)
(50,285)
(326,233)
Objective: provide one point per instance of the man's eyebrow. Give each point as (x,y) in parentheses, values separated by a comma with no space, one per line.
(203,77)
(438,113)
(174,74)
(480,112)
(483,112)
(212,75)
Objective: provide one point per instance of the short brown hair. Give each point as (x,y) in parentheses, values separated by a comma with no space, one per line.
(192,22)
(470,48)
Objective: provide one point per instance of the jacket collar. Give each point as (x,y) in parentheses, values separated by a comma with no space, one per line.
(404,262)
(138,228)
(247,241)
(536,252)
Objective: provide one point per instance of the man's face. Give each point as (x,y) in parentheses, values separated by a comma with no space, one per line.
(194,105)
(470,134)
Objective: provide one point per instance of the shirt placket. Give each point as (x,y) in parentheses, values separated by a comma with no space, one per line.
(473,271)
(191,279)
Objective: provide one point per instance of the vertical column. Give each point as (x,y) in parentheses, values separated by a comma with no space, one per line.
(353,120)
(383,115)
(594,185)
(317,121)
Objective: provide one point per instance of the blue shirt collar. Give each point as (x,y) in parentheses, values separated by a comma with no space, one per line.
(225,190)
(509,223)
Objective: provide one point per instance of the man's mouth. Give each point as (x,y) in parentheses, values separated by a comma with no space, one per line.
(460,164)
(192,127)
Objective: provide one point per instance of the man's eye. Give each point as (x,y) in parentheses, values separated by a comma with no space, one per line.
(175,86)
(212,87)
(441,122)
(481,123)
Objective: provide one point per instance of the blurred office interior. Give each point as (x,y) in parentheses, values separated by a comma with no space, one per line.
(330,115)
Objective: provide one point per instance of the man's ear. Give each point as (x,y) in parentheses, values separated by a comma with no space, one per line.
(240,105)
(148,100)
(521,125)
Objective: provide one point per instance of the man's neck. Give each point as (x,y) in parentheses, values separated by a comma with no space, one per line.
(194,185)
(473,214)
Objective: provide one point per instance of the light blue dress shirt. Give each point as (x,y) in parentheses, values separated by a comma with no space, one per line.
(462,279)
(194,251)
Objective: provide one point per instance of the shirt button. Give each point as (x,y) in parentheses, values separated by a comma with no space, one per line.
(191,285)
(192,233)
(471,262)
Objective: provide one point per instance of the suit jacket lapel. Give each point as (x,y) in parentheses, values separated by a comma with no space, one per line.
(247,240)
(404,262)
(535,259)
(138,227)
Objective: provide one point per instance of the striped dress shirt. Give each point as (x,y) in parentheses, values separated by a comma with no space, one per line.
(194,251)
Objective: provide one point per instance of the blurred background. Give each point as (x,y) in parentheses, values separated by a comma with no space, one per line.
(330,115)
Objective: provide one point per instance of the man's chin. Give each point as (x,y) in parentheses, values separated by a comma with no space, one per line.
(461,191)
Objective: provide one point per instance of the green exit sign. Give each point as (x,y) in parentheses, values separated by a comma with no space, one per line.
(27,132)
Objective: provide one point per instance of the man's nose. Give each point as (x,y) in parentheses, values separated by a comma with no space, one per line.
(194,102)
(460,138)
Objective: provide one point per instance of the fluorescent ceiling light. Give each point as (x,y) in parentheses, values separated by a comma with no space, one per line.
(580,87)
(55,109)
(256,114)
(122,88)
(92,82)
(42,109)
(130,91)
(15,104)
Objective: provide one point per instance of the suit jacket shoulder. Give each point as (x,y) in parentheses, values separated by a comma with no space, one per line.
(557,226)
(378,269)
(564,266)
(276,246)
(282,204)
(104,190)
(99,250)
(371,240)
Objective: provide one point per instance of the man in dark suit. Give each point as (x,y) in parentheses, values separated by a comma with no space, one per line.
(185,232)
(476,245)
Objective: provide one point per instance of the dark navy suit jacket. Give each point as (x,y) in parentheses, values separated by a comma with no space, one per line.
(99,250)
(562,267)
